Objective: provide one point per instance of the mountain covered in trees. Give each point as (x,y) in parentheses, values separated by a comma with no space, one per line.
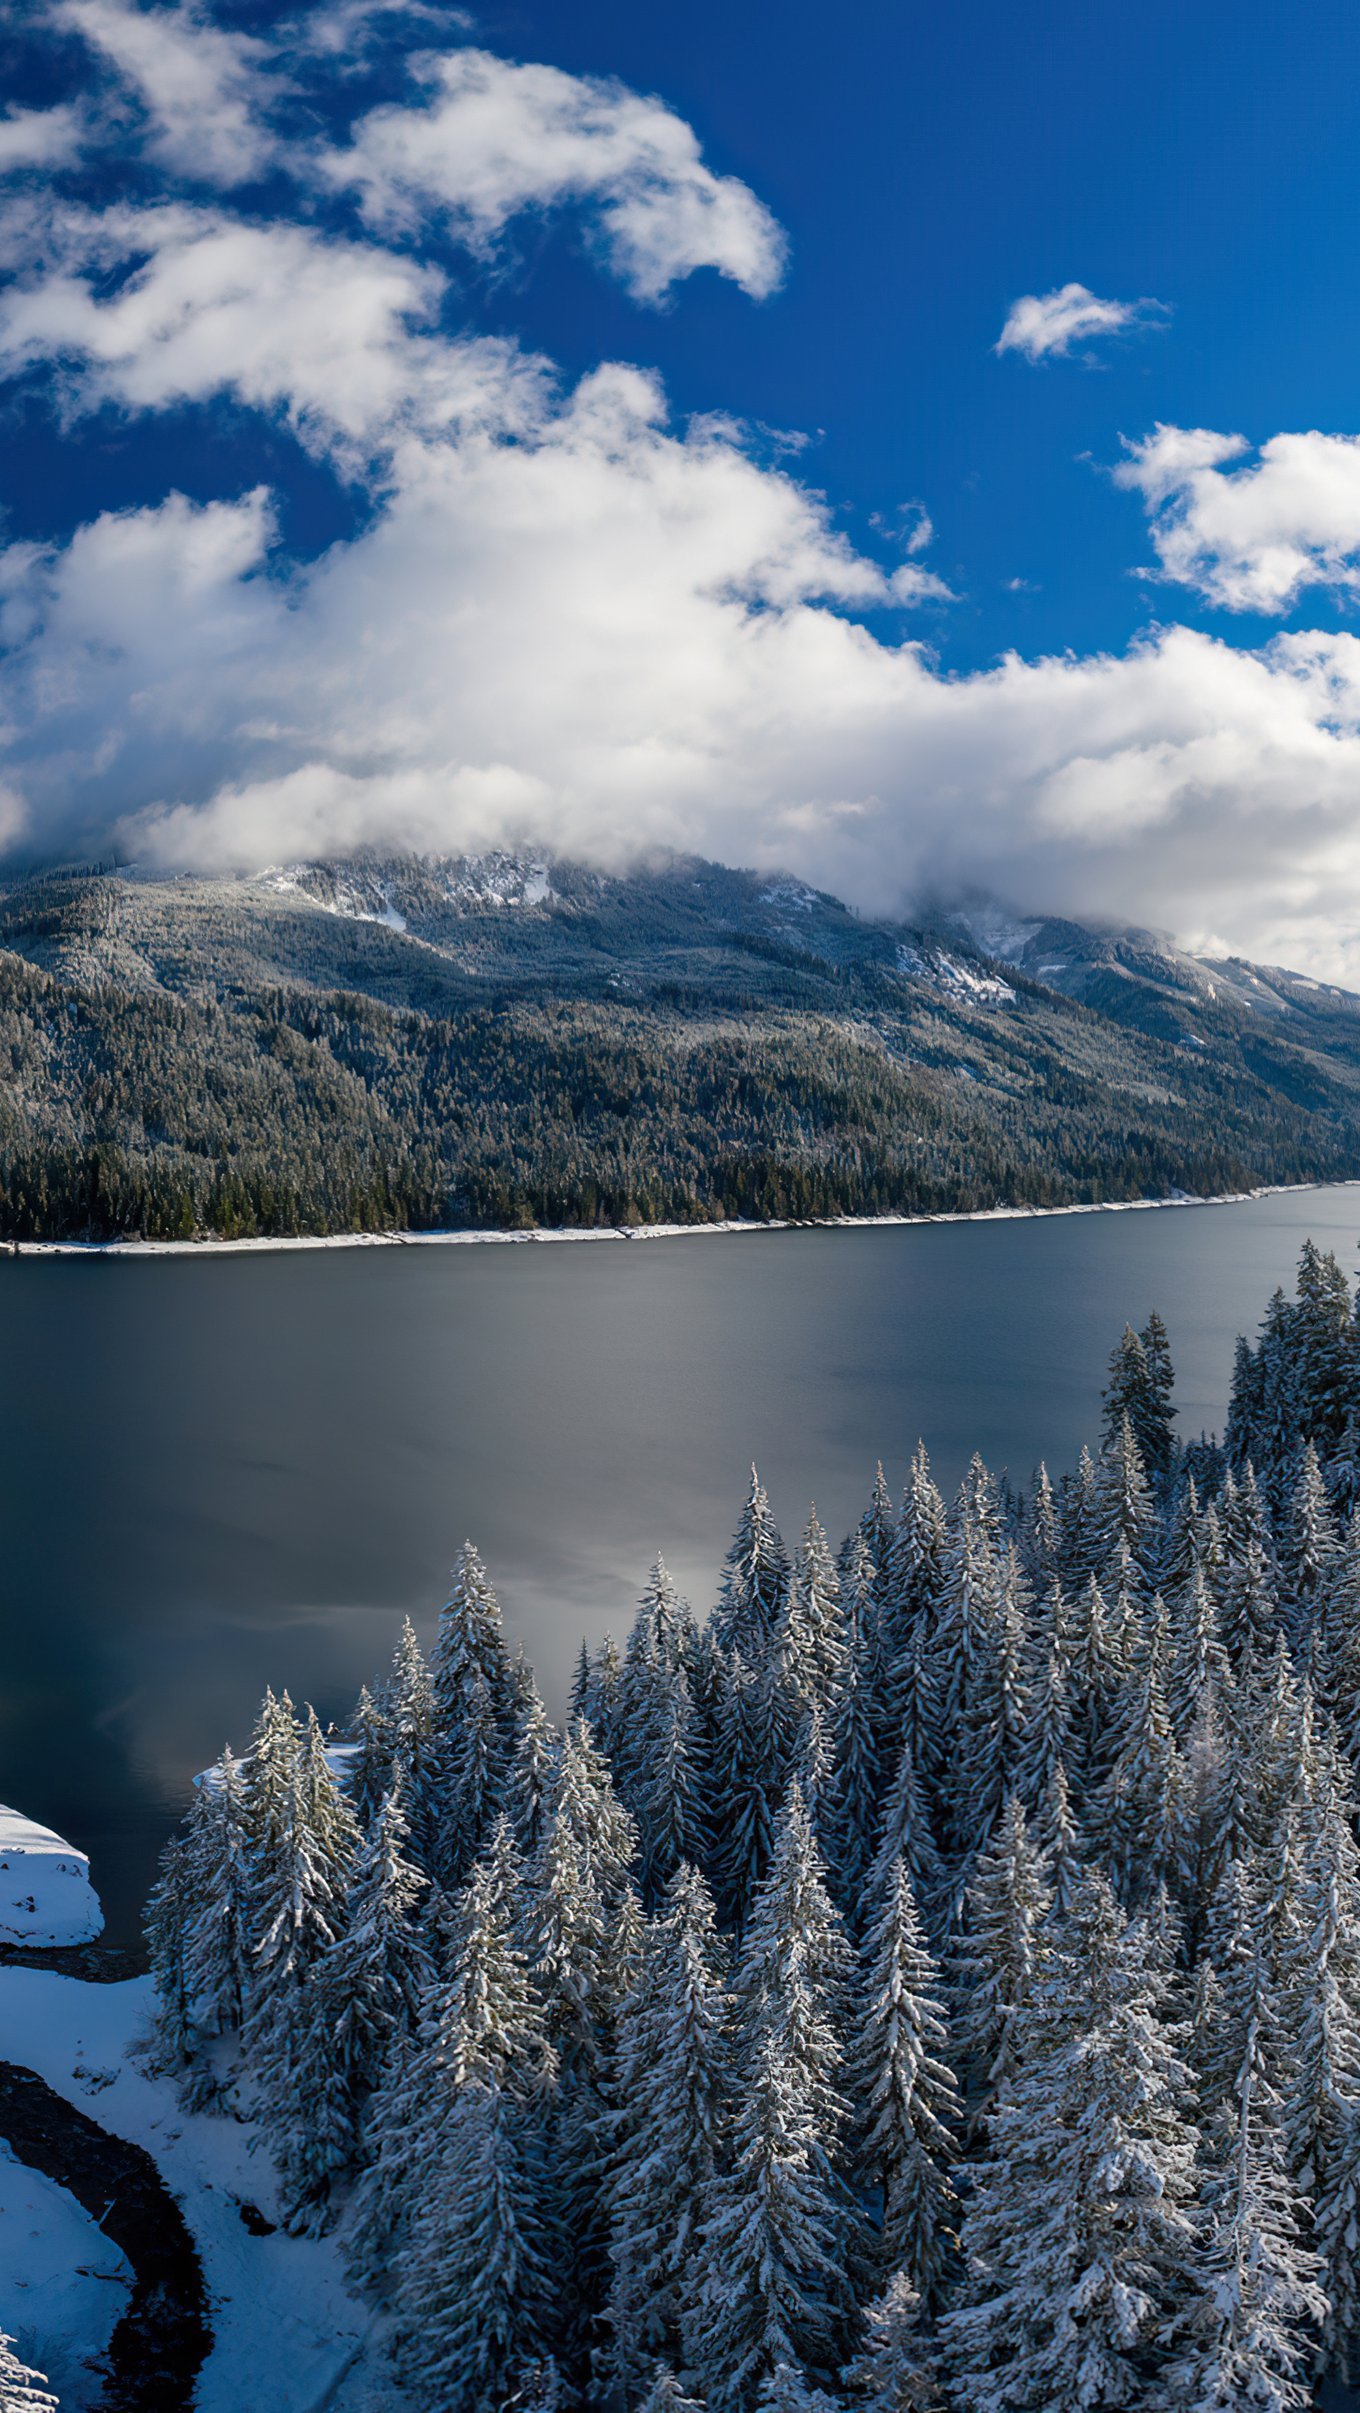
(426,1044)
(932,1983)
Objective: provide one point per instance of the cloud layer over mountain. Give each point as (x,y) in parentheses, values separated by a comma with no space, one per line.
(560,614)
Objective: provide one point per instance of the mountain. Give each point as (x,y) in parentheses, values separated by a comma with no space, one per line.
(509,1040)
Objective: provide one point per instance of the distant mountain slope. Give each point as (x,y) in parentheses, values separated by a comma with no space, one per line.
(428,1042)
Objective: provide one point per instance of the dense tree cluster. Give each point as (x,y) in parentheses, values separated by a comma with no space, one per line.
(933,1983)
(183,1062)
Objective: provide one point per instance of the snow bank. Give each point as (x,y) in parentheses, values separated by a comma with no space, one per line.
(45,1892)
(64,2285)
(287,2335)
(536,1234)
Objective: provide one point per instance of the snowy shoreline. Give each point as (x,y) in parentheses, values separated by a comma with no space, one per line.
(540,1235)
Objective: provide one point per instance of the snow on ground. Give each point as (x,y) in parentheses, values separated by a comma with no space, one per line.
(287,2335)
(63,2284)
(538,1234)
(45,1892)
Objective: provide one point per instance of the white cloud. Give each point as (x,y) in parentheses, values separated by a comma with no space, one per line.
(334,335)
(603,635)
(1251,538)
(496,139)
(203,90)
(1048,325)
(39,138)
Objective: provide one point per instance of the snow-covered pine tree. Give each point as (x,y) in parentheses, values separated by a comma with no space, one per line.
(1123,1503)
(673,2068)
(1139,1812)
(787,2390)
(1336,2234)
(364,1992)
(1324,1340)
(1199,1663)
(1096,1675)
(1079,2227)
(960,1652)
(768,2282)
(477,2281)
(906,1834)
(416,1744)
(369,1776)
(1061,1843)
(470,1640)
(1249,1586)
(915,1562)
(877,1527)
(474,1755)
(672,1802)
(668,2395)
(811,1638)
(531,1779)
(850,1811)
(485,2025)
(1313,1559)
(22,2390)
(1044,1741)
(217,1937)
(755,1581)
(904,2096)
(1132,1393)
(1043,1540)
(174,2036)
(991,1745)
(1261,2308)
(1000,1948)
(749,1776)
(1078,1512)
(1320,2008)
(896,2369)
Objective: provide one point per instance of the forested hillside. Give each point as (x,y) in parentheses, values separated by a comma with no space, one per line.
(932,1983)
(426,1044)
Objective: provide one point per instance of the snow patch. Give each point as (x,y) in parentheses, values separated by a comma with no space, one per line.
(953,977)
(287,2334)
(46,1897)
(66,2284)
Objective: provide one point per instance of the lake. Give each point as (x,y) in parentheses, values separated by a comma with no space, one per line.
(223,1472)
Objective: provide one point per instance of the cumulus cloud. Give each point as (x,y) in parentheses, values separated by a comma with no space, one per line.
(1250,538)
(203,90)
(606,634)
(1048,326)
(565,619)
(335,336)
(495,138)
(38,138)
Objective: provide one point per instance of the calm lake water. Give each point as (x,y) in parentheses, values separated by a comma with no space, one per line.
(218,1473)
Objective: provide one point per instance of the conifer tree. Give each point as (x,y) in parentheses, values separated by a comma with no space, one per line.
(21,2390)
(878,1526)
(755,1582)
(417,1746)
(370,1763)
(1079,1522)
(906,1835)
(770,2278)
(469,1643)
(1001,1946)
(812,1626)
(667,2395)
(1059,1839)
(531,1779)
(1123,1504)
(363,1992)
(174,2039)
(915,1561)
(673,2067)
(896,2370)
(906,2101)
(1079,2224)
(1262,2305)
(217,1934)
(1314,1549)
(475,2303)
(786,2390)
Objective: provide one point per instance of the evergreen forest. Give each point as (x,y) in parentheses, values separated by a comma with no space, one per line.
(932,1982)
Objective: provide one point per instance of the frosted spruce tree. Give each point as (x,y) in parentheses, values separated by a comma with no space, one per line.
(1080,2230)
(21,2390)
(904,2096)
(674,2069)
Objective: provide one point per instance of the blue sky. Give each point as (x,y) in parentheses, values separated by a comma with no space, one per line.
(586,429)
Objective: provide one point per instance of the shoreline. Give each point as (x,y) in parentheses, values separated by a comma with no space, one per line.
(539,1235)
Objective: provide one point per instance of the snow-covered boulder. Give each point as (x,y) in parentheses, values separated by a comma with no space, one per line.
(45,1892)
